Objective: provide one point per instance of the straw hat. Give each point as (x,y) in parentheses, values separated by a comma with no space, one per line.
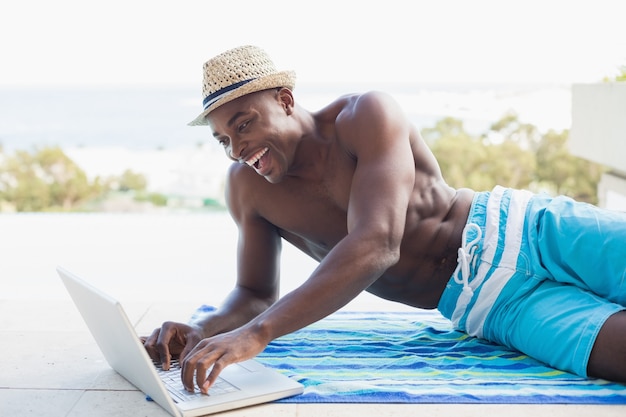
(238,72)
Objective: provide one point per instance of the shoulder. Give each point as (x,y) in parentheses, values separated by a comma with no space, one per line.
(373,104)
(356,112)
(242,190)
(371,116)
(348,106)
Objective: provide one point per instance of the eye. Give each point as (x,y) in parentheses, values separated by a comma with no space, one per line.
(224,142)
(243,126)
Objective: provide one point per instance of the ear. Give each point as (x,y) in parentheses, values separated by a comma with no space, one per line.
(285,96)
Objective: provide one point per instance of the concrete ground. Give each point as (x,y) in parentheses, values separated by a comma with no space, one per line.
(156,266)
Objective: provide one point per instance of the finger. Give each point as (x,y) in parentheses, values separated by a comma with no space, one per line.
(202,379)
(191,344)
(149,344)
(218,366)
(188,366)
(168,331)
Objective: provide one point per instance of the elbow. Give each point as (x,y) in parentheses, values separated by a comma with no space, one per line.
(268,301)
(382,259)
(393,242)
(262,303)
(392,256)
(388,253)
(381,242)
(256,301)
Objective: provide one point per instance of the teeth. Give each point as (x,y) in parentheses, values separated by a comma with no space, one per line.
(254,158)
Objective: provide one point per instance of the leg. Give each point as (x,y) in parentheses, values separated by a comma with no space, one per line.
(582,245)
(608,356)
(559,325)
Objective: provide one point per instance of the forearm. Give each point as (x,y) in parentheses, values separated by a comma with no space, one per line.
(239,307)
(349,269)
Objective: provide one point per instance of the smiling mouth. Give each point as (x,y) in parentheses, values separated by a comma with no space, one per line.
(254,159)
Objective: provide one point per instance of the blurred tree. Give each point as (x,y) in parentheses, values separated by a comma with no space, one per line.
(621,77)
(511,165)
(48,180)
(448,127)
(132,181)
(68,183)
(461,156)
(511,154)
(510,128)
(475,161)
(156,199)
(45,179)
(23,184)
(564,173)
(511,144)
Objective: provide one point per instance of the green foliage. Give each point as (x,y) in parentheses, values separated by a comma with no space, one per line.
(462,158)
(48,180)
(156,199)
(512,154)
(132,181)
(478,162)
(510,164)
(509,128)
(565,173)
(621,77)
(44,180)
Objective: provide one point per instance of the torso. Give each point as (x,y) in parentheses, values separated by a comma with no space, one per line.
(311,214)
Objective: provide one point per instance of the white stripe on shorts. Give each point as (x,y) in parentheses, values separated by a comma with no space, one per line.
(491,235)
(492,288)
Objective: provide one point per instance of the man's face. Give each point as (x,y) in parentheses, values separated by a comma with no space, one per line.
(251,130)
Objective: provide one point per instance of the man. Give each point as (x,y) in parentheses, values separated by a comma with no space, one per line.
(355,187)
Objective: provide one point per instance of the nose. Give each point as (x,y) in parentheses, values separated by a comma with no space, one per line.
(229,152)
(235,149)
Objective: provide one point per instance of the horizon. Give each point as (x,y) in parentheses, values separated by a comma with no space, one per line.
(148,117)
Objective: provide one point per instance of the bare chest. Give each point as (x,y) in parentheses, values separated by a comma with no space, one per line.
(312,213)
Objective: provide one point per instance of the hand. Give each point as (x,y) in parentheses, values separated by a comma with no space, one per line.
(218,352)
(171,340)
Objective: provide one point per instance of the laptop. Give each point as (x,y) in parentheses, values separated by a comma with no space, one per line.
(239,385)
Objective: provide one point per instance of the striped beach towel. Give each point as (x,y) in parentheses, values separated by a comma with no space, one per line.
(416,357)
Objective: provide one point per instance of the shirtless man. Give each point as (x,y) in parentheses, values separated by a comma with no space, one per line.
(355,187)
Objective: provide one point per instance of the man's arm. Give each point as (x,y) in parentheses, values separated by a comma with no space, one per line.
(256,289)
(376,132)
(258,251)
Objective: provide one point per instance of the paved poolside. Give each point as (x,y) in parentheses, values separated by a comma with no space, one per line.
(158,266)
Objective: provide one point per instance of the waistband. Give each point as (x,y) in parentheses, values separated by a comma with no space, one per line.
(492,239)
(473,232)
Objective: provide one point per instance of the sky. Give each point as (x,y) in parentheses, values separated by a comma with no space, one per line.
(82,42)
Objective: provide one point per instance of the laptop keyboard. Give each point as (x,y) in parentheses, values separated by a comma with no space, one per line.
(174,385)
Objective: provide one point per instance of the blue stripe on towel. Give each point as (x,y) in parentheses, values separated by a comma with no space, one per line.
(416,357)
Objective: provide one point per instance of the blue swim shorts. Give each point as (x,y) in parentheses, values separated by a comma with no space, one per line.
(538,274)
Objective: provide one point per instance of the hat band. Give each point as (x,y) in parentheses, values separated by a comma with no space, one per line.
(212,98)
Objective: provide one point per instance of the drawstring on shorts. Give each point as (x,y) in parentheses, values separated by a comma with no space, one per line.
(464,259)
